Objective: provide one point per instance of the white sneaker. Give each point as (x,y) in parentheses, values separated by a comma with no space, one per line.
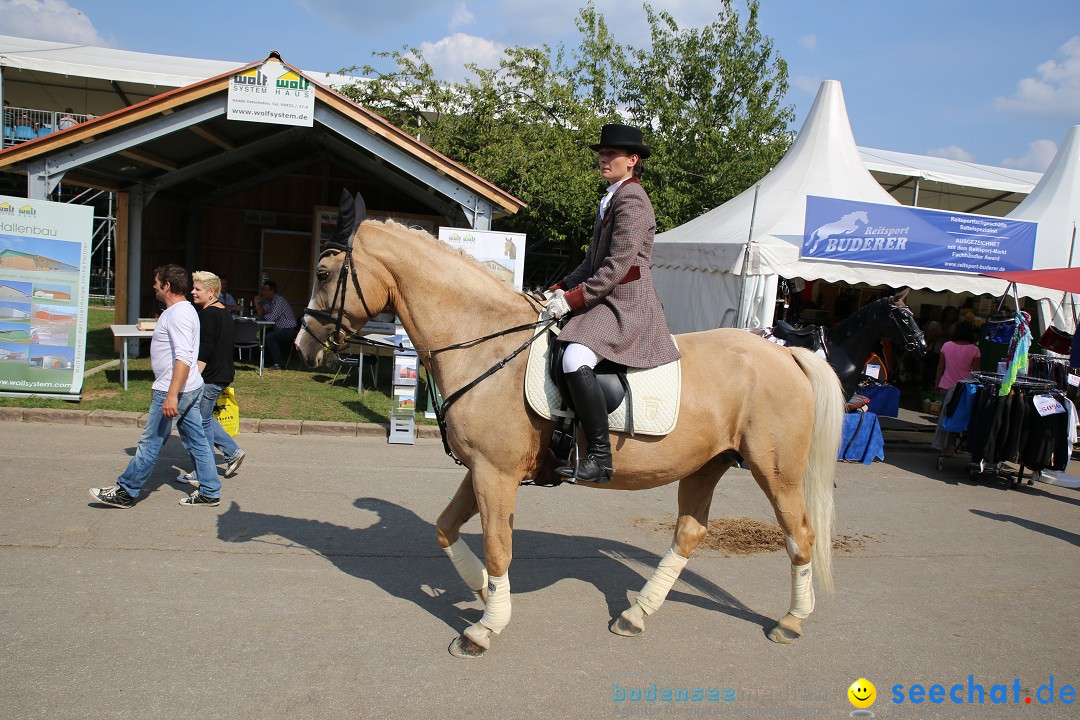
(234,463)
(188,479)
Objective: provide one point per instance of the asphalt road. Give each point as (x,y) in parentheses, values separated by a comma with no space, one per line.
(317,590)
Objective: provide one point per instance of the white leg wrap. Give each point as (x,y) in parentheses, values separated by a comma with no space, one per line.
(802,590)
(469,567)
(497,610)
(667,572)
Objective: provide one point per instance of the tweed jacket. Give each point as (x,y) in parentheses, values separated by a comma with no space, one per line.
(623,320)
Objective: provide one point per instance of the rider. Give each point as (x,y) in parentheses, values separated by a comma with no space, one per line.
(617,314)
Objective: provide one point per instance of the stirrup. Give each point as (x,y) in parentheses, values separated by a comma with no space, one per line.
(571,472)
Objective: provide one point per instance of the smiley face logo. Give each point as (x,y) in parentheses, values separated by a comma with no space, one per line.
(862,693)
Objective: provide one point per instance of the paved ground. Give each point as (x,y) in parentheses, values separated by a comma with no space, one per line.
(317,591)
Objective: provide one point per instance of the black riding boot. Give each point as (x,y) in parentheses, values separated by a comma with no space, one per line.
(591,409)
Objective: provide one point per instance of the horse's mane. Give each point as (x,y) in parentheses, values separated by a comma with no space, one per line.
(484,279)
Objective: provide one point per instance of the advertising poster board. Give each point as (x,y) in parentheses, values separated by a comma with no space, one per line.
(271,93)
(502,253)
(861,232)
(44,293)
(403,396)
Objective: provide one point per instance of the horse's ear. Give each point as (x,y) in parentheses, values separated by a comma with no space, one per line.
(898,298)
(351,212)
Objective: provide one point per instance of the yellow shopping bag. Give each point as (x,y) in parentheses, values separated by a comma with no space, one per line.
(227,411)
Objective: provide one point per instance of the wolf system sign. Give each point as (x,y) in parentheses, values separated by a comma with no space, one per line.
(915,237)
(272,93)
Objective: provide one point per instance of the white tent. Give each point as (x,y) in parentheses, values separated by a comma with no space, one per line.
(710,267)
(1055,205)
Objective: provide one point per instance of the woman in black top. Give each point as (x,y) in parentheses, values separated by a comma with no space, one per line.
(215,364)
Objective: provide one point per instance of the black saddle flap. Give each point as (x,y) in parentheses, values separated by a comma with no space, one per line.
(612,380)
(610,376)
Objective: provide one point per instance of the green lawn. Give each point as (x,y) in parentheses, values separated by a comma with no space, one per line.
(295,393)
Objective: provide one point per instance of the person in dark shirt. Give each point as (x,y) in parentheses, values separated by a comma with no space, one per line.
(216,366)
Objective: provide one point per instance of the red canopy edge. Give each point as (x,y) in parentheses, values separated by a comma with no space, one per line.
(1064,279)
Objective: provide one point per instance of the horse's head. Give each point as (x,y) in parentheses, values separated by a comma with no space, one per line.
(907,330)
(346,293)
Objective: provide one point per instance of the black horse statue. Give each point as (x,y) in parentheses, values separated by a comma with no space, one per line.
(849,343)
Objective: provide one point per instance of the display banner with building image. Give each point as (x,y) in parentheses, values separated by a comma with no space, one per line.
(44,292)
(502,253)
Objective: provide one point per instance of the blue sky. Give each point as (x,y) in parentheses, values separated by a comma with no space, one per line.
(986,81)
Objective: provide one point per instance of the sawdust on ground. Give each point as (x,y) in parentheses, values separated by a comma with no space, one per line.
(746,536)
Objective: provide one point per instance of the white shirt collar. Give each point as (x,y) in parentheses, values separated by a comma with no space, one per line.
(606,200)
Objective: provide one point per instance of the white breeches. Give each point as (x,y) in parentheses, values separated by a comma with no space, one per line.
(802,590)
(667,572)
(469,567)
(497,611)
(576,356)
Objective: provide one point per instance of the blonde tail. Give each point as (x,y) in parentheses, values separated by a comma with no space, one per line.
(821,465)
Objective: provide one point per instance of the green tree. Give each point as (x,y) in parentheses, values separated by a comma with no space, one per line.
(707,99)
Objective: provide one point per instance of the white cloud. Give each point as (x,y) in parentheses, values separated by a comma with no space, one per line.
(462,17)
(951,152)
(809,42)
(450,55)
(807,83)
(1056,88)
(48,20)
(1039,155)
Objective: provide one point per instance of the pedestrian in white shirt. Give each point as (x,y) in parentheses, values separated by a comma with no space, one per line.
(175,395)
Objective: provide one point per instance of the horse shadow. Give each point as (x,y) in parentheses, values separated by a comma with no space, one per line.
(400,533)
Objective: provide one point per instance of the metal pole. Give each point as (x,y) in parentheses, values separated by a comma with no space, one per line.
(1072,296)
(740,318)
(915,199)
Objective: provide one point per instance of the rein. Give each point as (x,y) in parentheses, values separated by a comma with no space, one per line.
(342,335)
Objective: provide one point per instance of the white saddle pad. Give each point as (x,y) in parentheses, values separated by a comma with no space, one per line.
(654,392)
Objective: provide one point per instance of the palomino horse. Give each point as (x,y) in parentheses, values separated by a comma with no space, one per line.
(743,398)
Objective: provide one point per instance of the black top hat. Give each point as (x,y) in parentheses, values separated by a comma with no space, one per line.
(624,137)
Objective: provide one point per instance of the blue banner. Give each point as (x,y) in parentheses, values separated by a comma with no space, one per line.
(864,232)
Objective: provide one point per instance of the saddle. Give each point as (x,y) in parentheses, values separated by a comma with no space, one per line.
(811,337)
(644,402)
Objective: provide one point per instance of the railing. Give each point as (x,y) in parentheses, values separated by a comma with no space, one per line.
(22,124)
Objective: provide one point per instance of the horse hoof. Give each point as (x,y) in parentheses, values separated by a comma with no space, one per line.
(622,626)
(782,635)
(463,647)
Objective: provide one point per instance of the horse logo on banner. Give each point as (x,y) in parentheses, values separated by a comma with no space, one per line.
(846,225)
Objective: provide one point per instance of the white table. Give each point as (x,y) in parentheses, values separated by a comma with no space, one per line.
(127,332)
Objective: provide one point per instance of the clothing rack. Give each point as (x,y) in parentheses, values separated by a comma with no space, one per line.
(997,429)
(1051,368)
(1022,382)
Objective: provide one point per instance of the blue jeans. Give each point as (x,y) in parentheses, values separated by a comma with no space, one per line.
(215,434)
(156,432)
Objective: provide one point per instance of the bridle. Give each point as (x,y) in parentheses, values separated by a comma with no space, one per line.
(902,316)
(342,335)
